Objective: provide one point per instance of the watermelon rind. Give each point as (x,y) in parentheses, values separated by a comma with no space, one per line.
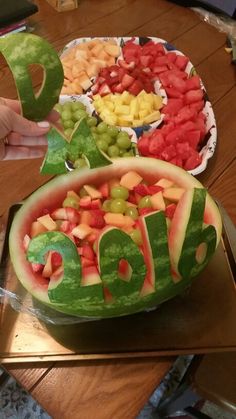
(52,194)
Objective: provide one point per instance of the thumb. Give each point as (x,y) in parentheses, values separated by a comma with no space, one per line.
(17,123)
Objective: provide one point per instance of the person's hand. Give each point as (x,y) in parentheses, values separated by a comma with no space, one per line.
(19,137)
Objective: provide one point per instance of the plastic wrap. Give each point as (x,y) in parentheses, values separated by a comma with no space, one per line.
(220,22)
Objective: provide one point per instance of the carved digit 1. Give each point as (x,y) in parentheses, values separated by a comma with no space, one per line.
(113,246)
(21,51)
(68,289)
(156,250)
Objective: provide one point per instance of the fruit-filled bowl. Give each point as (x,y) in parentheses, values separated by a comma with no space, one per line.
(114,240)
(149,86)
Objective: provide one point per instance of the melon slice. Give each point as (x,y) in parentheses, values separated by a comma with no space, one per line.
(22,50)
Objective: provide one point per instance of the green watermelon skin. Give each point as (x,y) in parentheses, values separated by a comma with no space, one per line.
(51,195)
(21,50)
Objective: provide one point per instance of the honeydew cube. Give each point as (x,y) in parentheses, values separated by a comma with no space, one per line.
(154,116)
(81,231)
(173,194)
(130,179)
(165,183)
(93,192)
(47,221)
(157,102)
(157,201)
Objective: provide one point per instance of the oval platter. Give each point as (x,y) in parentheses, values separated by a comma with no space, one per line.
(205,147)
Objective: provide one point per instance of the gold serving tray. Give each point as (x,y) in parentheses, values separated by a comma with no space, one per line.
(200,321)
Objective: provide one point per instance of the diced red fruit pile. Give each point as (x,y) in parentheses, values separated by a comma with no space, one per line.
(84,215)
(117,79)
(179,139)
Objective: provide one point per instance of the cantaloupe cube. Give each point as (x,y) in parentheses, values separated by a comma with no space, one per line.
(81,231)
(92,70)
(157,201)
(165,183)
(68,73)
(47,270)
(84,81)
(96,49)
(130,179)
(117,220)
(81,54)
(113,50)
(93,192)
(37,228)
(47,221)
(173,194)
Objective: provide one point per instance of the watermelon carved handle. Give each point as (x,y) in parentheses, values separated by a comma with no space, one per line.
(22,50)
(156,251)
(69,288)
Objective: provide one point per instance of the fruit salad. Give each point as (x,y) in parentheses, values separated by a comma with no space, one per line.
(115,239)
(152,88)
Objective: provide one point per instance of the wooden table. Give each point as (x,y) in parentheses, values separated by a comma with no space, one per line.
(108,389)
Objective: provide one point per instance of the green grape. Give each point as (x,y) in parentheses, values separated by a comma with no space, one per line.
(145,202)
(119,192)
(93,129)
(80,163)
(112,131)
(129,153)
(102,145)
(58,107)
(106,137)
(123,141)
(113,151)
(80,113)
(118,205)
(75,106)
(96,136)
(71,202)
(132,212)
(102,127)
(136,237)
(106,206)
(92,121)
(66,114)
(68,124)
(66,106)
(68,132)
